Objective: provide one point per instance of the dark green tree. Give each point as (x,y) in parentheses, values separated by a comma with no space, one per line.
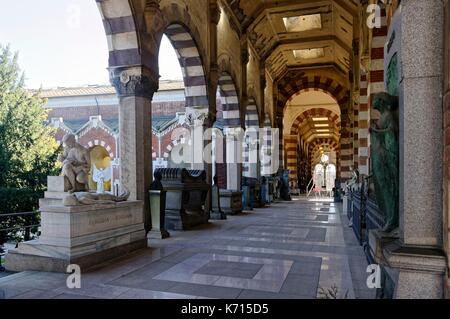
(28,150)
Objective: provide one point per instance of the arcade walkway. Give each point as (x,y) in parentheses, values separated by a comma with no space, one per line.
(289,250)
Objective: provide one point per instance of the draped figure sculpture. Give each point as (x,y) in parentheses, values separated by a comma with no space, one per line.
(385,159)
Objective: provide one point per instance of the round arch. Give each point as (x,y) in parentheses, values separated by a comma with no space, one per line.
(229,100)
(192,66)
(315,112)
(108,148)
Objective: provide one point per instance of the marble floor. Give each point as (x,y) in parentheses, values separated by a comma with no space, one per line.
(289,250)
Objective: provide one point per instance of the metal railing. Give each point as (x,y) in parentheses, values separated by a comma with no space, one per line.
(14,229)
(308,189)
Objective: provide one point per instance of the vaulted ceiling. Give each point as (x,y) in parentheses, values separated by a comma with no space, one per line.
(297,34)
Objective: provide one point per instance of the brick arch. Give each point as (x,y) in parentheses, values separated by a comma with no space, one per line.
(295,82)
(289,87)
(172,144)
(230,101)
(121,31)
(313,148)
(191,63)
(316,112)
(93,143)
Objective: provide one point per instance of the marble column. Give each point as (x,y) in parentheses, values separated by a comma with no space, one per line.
(135,88)
(418,255)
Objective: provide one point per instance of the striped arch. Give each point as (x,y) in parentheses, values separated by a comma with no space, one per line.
(293,83)
(251,114)
(120,29)
(290,86)
(191,65)
(251,122)
(108,148)
(318,112)
(229,100)
(314,147)
(267,142)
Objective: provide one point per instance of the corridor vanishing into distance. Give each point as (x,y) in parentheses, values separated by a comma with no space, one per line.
(288,250)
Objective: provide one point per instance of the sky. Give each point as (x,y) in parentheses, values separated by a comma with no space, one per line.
(62,43)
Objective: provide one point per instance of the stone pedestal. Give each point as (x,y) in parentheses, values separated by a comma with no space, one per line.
(158,214)
(378,240)
(216,211)
(231,201)
(421,271)
(84,235)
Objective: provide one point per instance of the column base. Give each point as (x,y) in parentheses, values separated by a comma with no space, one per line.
(215,215)
(378,240)
(157,234)
(421,271)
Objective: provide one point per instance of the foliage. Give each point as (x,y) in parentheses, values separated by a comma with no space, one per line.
(331,293)
(28,150)
(27,146)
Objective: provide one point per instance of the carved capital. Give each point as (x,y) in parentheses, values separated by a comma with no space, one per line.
(133,82)
(197,117)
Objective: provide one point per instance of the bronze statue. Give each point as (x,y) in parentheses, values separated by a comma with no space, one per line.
(76,163)
(385,159)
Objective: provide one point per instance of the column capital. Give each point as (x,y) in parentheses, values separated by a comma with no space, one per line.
(134,81)
(198,117)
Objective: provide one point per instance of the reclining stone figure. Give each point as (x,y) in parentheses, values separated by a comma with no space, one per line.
(84,198)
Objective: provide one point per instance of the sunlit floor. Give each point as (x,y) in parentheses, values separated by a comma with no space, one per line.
(291,249)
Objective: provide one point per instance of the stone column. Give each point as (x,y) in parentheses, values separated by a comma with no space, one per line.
(418,255)
(135,88)
(233,157)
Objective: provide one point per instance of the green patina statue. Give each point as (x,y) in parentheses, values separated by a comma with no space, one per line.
(385,159)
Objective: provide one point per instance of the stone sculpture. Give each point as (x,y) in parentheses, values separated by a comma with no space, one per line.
(76,163)
(385,159)
(85,198)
